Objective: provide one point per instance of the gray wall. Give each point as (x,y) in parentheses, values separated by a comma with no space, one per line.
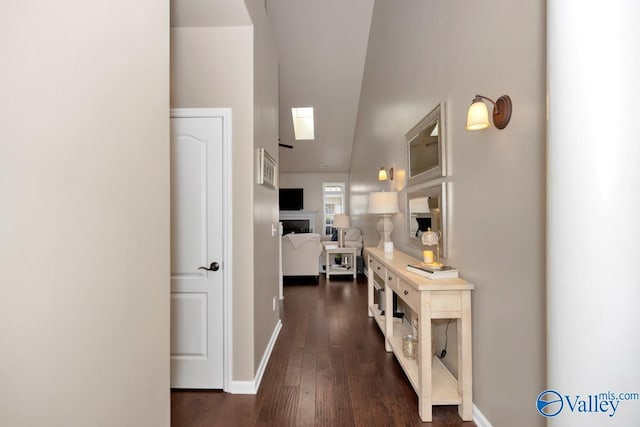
(421,53)
(265,200)
(213,67)
(84,213)
(236,67)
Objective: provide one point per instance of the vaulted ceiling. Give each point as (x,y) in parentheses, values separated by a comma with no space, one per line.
(322,47)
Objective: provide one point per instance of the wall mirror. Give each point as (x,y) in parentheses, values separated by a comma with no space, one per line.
(426,147)
(426,208)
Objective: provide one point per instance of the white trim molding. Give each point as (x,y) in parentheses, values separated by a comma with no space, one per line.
(479,418)
(227,218)
(251,387)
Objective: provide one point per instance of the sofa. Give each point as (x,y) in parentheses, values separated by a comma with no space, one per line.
(300,253)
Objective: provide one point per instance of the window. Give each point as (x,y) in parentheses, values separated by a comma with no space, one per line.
(332,203)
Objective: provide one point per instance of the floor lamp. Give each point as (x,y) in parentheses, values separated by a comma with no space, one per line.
(384,203)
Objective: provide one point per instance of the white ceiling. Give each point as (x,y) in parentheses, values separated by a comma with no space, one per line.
(322,47)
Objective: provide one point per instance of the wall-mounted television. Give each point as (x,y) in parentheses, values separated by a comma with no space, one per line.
(291,199)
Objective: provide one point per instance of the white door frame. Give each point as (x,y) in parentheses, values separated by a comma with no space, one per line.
(227,337)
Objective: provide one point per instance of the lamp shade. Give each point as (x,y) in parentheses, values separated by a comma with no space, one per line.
(383,202)
(341,221)
(477,116)
(420,206)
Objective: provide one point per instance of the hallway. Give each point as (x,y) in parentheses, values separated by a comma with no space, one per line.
(328,368)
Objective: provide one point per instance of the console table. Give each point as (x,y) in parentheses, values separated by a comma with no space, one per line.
(428,299)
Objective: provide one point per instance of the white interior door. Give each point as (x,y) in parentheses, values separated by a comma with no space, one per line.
(197,243)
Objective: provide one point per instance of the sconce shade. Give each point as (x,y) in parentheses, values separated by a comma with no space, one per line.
(341,221)
(383,202)
(382,174)
(477,116)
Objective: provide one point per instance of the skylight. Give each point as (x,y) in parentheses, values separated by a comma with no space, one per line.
(303,123)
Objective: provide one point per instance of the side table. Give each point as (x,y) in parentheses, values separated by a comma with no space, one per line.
(347,265)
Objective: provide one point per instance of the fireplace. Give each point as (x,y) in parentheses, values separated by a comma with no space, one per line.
(298,221)
(295,226)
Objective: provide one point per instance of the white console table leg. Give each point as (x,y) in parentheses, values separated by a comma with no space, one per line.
(464,358)
(370,291)
(425,396)
(388,317)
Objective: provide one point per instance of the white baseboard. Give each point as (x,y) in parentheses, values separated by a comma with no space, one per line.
(267,354)
(241,387)
(479,418)
(251,387)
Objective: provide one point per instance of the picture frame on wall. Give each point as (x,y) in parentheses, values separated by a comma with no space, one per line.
(267,170)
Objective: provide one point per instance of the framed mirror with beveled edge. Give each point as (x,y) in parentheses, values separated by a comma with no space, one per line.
(426,147)
(427,208)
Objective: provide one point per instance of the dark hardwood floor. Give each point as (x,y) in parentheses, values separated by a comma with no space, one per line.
(328,368)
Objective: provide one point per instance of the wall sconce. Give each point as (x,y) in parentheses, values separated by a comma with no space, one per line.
(383,176)
(478,115)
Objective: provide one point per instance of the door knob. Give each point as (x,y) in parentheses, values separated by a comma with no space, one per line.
(213,267)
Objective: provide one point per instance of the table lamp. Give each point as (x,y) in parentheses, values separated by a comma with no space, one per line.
(384,203)
(340,222)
